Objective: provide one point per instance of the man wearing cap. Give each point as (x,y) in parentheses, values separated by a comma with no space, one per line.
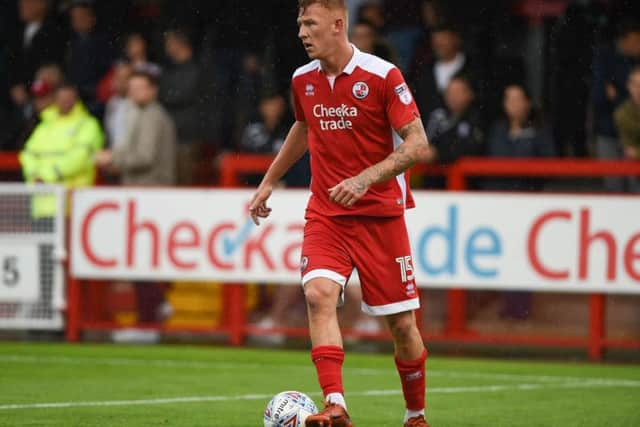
(42,93)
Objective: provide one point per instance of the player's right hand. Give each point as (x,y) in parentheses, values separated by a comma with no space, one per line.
(258,207)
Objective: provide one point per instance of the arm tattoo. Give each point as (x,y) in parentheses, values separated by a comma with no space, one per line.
(415,126)
(413,149)
(360,186)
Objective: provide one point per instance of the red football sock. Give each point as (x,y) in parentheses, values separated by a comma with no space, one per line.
(328,360)
(412,376)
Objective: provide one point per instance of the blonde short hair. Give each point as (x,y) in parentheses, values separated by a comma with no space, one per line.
(329,4)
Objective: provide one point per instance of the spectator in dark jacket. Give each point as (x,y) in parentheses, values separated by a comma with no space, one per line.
(519,134)
(37,43)
(611,68)
(266,134)
(180,93)
(455,130)
(89,56)
(433,77)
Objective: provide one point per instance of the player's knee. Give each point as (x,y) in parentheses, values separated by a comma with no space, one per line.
(403,327)
(321,295)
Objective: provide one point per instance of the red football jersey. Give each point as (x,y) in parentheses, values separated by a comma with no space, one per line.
(351,124)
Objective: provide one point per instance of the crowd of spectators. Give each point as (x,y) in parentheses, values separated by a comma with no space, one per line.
(222,75)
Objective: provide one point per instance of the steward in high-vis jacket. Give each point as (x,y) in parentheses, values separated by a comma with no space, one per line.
(61,149)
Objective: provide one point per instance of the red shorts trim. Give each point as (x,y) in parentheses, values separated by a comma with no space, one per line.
(393,308)
(377,247)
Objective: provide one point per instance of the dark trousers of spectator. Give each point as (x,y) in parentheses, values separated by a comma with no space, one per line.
(608,148)
(149,301)
(186,161)
(570,136)
(516,305)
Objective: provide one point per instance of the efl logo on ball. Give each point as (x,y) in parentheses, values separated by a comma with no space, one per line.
(360,90)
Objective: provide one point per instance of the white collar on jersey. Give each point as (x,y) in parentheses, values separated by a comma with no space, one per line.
(353,62)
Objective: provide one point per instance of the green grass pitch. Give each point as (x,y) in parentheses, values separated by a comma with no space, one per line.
(107,385)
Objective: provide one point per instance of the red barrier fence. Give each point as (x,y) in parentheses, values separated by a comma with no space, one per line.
(457,176)
(9,162)
(236,328)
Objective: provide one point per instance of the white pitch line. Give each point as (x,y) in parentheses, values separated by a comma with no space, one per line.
(189,364)
(523,377)
(432,390)
(163,363)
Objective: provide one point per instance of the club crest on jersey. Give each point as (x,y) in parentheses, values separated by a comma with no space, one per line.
(360,90)
(309,90)
(404,93)
(304,262)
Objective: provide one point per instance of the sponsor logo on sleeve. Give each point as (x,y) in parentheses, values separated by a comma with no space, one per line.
(404,93)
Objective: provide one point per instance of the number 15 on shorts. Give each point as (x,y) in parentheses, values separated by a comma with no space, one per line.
(406,269)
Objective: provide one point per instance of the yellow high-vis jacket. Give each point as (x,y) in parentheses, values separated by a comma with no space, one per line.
(61,150)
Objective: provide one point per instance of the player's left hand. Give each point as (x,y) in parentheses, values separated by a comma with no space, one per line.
(348,192)
(258,205)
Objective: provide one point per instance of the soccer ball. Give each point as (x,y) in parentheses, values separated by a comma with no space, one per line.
(289,409)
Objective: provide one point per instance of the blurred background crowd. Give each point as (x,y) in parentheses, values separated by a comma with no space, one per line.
(149,92)
(501,78)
